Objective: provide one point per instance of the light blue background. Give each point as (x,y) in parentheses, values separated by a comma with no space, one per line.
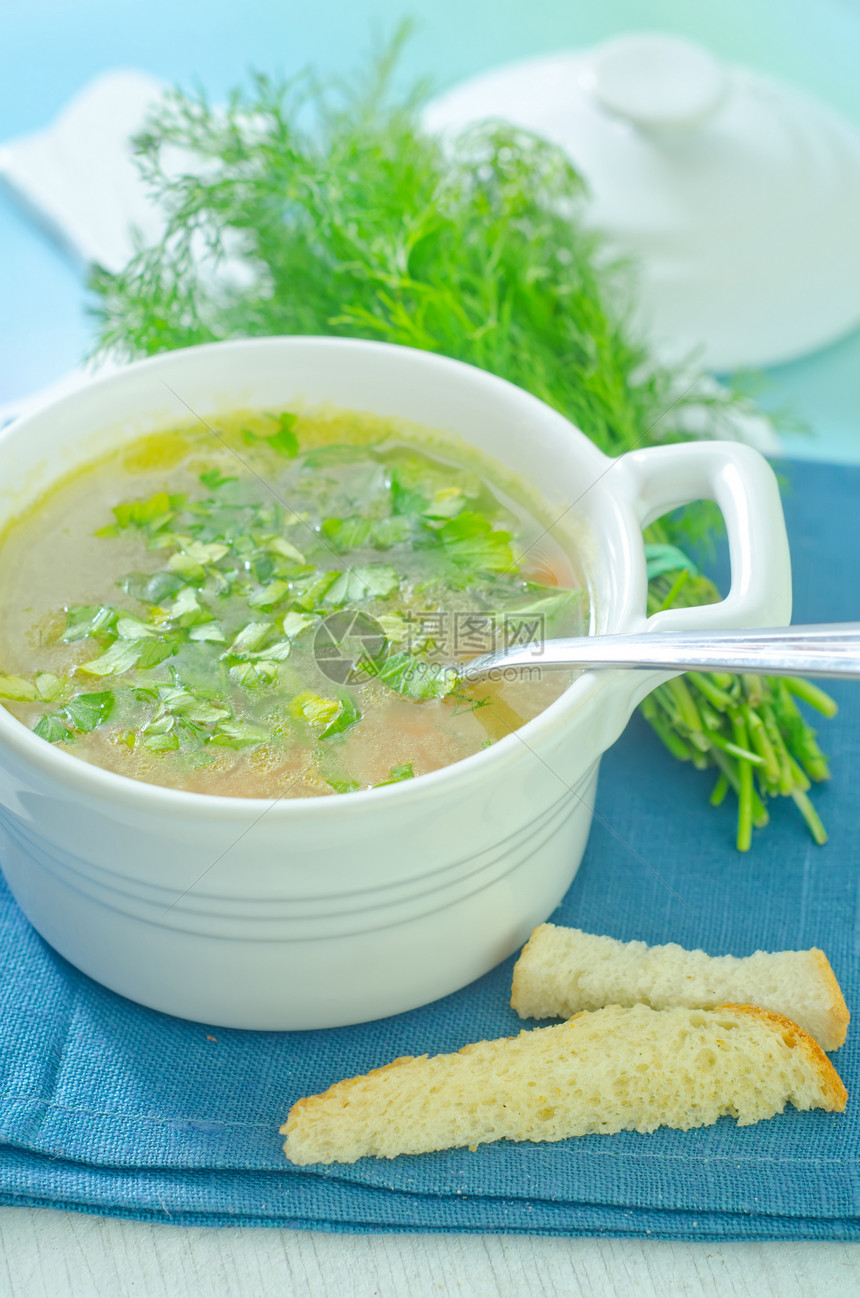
(50,50)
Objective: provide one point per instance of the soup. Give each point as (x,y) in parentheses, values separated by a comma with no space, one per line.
(267,605)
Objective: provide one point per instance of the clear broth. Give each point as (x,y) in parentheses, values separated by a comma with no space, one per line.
(354,496)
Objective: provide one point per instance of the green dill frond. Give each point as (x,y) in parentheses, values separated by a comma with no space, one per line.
(302,209)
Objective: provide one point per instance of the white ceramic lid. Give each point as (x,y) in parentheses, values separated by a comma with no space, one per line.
(738,196)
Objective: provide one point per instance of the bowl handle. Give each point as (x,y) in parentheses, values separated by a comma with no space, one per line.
(744,487)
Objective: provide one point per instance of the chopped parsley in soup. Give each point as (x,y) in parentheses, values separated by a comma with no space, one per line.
(265,607)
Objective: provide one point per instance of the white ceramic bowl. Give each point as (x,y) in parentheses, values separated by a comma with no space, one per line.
(316,912)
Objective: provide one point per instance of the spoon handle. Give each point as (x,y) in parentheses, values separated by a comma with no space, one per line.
(821,650)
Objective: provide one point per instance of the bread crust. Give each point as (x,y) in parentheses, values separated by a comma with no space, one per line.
(338,1089)
(517,990)
(832,1087)
(839,1015)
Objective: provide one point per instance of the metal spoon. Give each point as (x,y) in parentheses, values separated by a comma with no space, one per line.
(825,650)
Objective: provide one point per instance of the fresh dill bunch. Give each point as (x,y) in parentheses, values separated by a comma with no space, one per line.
(298,209)
(303,212)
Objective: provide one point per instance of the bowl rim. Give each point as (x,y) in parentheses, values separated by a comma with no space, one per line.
(103,786)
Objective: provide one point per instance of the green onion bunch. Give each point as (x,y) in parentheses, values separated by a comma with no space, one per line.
(747,728)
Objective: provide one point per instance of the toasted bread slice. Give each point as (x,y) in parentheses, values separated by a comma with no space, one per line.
(563,970)
(611,1070)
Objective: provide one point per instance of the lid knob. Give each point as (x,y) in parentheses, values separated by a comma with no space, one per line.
(655,81)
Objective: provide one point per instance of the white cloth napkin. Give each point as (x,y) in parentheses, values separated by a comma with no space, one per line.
(77,176)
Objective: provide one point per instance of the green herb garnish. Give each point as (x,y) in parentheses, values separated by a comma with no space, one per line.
(86,711)
(18,689)
(284,441)
(396,774)
(120,658)
(471,542)
(79,716)
(315,709)
(348,716)
(51,728)
(358,584)
(416,678)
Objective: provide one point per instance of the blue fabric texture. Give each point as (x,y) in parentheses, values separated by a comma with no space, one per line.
(108,1107)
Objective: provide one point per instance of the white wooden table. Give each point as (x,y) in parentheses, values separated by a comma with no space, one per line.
(47,1254)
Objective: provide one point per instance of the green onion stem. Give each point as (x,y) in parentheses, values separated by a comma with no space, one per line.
(753,688)
(720,790)
(687,710)
(810,815)
(714,693)
(673,741)
(745,786)
(728,767)
(675,589)
(801,783)
(712,720)
(743,754)
(760,741)
(812,695)
(774,734)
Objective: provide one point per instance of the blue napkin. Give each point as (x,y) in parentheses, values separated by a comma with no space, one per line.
(108,1107)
